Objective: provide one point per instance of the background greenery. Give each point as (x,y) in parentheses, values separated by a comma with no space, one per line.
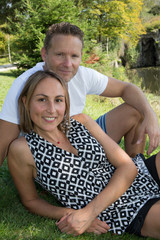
(107,24)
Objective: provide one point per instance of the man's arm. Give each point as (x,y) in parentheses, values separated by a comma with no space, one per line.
(8,132)
(133,96)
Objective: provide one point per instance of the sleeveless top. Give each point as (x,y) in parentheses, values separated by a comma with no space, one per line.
(76,180)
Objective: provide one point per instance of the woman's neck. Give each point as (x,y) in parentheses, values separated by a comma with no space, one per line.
(59,139)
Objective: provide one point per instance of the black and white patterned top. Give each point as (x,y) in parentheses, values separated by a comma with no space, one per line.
(76,180)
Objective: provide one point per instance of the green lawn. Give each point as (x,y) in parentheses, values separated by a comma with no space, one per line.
(4,60)
(16,223)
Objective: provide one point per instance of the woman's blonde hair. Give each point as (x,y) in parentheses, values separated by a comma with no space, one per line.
(26,123)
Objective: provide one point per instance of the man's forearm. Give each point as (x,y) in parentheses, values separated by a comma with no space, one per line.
(8,132)
(134,96)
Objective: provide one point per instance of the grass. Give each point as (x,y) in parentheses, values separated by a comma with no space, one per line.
(6,80)
(16,223)
(4,60)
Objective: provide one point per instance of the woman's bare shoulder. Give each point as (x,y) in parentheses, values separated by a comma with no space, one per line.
(19,150)
(18,145)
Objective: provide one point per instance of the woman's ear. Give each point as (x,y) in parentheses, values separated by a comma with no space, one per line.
(24,100)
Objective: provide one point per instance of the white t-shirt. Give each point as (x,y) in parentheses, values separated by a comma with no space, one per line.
(86,81)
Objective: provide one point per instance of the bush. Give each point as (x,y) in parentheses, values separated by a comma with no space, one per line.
(155,10)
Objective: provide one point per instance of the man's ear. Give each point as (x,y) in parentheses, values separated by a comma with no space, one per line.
(43,53)
(81,55)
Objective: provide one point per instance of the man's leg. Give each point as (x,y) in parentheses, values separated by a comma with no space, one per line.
(125,121)
(151,226)
(158,164)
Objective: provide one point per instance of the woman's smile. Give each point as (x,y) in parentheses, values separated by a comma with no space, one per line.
(47,105)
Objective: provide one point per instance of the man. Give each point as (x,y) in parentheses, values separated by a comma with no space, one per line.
(62,53)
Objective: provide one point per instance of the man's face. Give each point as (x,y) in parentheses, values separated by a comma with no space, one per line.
(64,56)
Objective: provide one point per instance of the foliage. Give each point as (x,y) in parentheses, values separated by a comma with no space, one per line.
(153,24)
(7,8)
(117,18)
(155,10)
(132,55)
(3,43)
(102,21)
(150,3)
(32,24)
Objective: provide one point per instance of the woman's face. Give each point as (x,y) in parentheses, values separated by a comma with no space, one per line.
(47,105)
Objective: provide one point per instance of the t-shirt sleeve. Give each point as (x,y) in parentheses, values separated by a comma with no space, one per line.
(95,82)
(9,110)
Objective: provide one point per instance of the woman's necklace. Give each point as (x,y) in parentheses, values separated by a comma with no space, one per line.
(56,141)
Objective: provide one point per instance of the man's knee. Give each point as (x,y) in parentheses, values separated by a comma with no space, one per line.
(134,114)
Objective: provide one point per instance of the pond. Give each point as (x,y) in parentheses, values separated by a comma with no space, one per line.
(147,78)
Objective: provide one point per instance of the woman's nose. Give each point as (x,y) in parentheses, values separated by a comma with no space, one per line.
(51,107)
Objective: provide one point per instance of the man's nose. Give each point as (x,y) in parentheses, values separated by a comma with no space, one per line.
(67,61)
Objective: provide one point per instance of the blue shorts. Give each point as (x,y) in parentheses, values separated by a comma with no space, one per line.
(102,122)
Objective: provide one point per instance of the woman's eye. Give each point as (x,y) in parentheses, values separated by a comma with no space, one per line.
(58,100)
(41,99)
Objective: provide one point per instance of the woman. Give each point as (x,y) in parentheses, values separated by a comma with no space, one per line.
(70,163)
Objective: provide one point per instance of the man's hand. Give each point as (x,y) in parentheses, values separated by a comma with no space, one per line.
(151,127)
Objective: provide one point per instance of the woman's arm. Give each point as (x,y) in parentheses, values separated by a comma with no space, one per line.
(23,170)
(77,222)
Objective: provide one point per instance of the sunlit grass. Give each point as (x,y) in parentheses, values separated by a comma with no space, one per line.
(6,80)
(4,60)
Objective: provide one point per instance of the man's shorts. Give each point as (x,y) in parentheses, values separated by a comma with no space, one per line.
(102,122)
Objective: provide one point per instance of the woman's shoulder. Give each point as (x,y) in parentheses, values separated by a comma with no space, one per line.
(19,148)
(20,159)
(18,144)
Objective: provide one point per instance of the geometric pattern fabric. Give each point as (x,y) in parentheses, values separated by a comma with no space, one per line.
(76,180)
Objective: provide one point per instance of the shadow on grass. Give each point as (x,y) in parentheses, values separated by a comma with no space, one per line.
(8,74)
(12,73)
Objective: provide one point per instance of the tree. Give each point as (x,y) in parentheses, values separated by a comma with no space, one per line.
(3,43)
(7,8)
(32,23)
(155,10)
(118,18)
(100,20)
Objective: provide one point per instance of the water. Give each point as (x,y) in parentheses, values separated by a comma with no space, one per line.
(147,78)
